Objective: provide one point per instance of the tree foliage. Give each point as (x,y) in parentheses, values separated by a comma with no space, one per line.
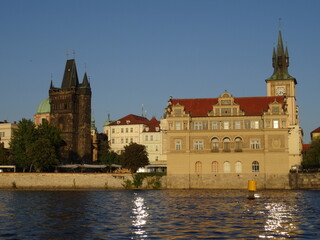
(311,158)
(30,145)
(134,157)
(4,155)
(106,156)
(42,155)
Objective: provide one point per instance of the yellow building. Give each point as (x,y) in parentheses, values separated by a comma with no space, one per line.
(6,131)
(224,142)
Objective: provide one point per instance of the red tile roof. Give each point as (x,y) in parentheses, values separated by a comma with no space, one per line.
(253,106)
(305,147)
(316,130)
(132,119)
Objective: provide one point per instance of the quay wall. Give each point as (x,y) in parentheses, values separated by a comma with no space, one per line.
(103,181)
(68,181)
(304,180)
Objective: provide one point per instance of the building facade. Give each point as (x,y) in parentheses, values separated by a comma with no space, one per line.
(6,132)
(70,111)
(137,129)
(224,142)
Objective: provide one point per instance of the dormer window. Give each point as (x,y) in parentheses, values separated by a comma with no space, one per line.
(128,121)
(118,122)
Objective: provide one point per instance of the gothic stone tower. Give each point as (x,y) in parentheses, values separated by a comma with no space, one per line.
(71,112)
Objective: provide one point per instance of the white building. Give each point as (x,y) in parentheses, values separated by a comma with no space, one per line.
(137,129)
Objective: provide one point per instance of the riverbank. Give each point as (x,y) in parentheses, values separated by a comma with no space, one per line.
(69,181)
(103,181)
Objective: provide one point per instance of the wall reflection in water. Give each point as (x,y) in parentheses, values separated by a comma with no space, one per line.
(139,217)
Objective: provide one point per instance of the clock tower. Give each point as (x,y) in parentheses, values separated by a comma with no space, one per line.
(281,83)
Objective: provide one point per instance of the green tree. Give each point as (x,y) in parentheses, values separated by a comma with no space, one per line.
(106,156)
(134,157)
(21,139)
(51,133)
(311,158)
(4,155)
(43,155)
(28,144)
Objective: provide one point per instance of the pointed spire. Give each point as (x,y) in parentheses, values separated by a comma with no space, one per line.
(51,85)
(85,82)
(70,77)
(280,61)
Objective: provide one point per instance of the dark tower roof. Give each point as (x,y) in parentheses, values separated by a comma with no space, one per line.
(70,77)
(85,82)
(280,62)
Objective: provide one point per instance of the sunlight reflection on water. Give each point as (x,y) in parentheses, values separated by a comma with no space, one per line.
(139,216)
(165,214)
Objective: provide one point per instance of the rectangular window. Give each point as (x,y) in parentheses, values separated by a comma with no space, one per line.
(178,126)
(146,138)
(275,123)
(255,144)
(226,125)
(131,130)
(151,138)
(121,130)
(2,134)
(178,144)
(127,130)
(121,140)
(131,140)
(215,125)
(254,124)
(198,125)
(112,140)
(198,145)
(237,125)
(127,140)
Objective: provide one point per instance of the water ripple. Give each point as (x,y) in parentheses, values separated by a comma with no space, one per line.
(167,214)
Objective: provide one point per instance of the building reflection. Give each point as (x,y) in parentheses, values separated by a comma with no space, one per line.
(139,217)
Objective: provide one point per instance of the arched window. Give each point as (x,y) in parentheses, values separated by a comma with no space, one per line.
(255,166)
(226,167)
(226,144)
(215,167)
(238,167)
(198,167)
(215,144)
(238,142)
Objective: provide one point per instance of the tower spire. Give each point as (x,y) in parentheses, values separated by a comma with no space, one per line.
(280,60)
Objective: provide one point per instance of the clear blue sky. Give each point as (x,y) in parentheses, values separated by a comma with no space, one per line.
(142,52)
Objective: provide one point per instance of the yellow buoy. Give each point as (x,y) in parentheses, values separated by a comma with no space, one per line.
(252,185)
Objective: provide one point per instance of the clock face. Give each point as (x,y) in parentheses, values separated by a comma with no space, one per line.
(280,91)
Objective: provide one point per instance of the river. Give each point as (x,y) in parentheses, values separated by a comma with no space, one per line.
(159,214)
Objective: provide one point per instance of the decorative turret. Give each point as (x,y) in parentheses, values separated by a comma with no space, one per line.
(280,62)
(85,82)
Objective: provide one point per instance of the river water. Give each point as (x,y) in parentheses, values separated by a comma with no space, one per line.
(159,214)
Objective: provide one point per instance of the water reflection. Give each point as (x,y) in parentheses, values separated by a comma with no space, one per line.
(280,220)
(140,215)
(167,214)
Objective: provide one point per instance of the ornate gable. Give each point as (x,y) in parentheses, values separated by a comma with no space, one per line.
(226,106)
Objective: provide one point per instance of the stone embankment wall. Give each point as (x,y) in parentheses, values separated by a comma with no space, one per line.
(304,180)
(67,181)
